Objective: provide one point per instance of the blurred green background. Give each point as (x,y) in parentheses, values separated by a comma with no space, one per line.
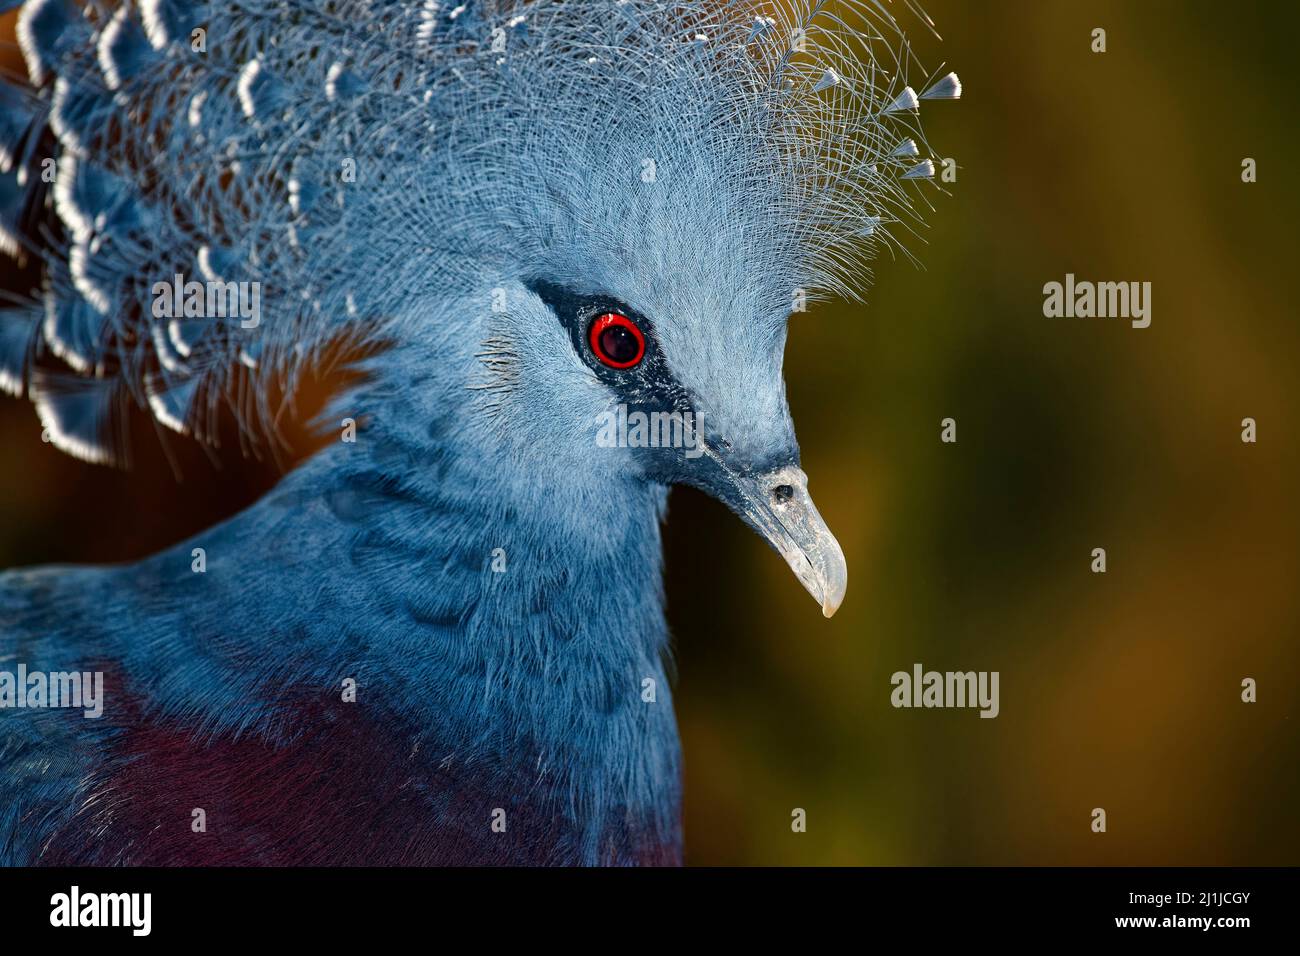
(1118,690)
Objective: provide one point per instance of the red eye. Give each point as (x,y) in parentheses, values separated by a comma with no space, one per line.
(616,340)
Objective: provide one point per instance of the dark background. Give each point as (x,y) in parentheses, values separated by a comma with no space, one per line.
(1119,690)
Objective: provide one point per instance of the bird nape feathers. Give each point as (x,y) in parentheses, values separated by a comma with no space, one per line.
(440,638)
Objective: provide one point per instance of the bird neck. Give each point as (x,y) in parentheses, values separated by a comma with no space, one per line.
(505,615)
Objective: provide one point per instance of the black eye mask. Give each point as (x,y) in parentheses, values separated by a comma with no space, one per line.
(648,384)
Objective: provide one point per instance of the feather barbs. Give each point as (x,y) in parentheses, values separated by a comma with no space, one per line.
(356,161)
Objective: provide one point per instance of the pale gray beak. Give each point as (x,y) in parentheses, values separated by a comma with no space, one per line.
(777,505)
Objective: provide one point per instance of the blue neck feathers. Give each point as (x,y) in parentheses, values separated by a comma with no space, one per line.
(514,623)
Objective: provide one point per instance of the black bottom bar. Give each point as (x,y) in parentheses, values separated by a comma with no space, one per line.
(1175,905)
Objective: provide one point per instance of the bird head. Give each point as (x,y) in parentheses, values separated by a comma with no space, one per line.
(652,347)
(597,216)
(677,183)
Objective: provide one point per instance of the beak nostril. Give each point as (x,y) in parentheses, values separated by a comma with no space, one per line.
(782,493)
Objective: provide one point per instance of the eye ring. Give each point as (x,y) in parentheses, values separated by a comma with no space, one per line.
(616,340)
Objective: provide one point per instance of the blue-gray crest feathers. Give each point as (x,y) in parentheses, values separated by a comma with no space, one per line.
(361,160)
